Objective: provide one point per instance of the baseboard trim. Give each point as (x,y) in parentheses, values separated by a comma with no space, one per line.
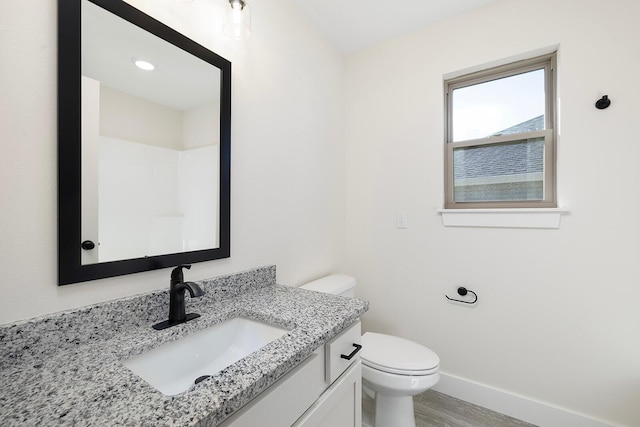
(513,405)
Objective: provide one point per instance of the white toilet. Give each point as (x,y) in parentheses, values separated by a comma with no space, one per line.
(394,369)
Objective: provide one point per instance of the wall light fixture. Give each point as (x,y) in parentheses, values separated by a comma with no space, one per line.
(238,22)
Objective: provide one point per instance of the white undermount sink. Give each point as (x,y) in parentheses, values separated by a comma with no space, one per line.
(173,368)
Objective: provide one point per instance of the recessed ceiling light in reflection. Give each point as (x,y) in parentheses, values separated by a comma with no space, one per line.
(144,65)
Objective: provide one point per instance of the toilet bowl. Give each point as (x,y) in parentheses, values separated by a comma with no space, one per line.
(394,369)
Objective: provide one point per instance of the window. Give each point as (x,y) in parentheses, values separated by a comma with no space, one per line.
(500,137)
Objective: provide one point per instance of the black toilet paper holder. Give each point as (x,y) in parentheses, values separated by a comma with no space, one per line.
(462,291)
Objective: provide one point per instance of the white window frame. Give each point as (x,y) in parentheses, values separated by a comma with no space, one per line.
(546,62)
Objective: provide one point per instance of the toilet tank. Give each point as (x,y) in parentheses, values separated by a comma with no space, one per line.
(335,284)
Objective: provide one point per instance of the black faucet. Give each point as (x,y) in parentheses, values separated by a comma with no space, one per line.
(176,299)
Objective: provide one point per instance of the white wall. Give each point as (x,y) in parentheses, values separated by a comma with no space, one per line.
(198,130)
(130,118)
(557,318)
(287,201)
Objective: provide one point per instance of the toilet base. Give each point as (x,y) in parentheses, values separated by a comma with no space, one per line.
(368,407)
(394,411)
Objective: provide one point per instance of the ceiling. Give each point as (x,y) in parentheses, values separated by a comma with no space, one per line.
(180,81)
(352,25)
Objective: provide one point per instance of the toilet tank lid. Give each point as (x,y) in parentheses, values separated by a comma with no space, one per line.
(333,284)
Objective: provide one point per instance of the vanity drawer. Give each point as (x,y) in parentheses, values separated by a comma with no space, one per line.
(347,344)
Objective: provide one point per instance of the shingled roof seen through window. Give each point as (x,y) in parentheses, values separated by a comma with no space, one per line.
(512,158)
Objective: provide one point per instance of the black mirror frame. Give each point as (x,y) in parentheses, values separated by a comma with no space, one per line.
(70,268)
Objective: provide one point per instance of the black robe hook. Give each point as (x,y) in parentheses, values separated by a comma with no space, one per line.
(603,102)
(462,291)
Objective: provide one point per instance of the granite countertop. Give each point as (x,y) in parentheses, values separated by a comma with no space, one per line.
(64,369)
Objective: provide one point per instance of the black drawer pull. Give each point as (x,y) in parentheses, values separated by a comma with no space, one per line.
(353,353)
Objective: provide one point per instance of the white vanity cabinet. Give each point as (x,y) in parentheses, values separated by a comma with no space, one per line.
(324,390)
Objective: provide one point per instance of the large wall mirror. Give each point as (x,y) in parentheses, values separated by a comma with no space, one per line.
(143,147)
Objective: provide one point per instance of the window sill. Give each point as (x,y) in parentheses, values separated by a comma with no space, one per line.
(503,218)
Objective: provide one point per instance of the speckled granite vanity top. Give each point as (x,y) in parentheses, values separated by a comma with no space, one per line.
(65,369)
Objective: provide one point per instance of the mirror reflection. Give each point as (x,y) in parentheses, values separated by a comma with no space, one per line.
(144,144)
(150,143)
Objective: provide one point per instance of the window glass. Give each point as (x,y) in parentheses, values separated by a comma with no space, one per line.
(499,106)
(499,172)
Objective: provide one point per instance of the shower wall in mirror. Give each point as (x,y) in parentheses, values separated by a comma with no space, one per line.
(144,152)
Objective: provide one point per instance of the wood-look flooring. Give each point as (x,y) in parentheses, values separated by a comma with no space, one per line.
(435,409)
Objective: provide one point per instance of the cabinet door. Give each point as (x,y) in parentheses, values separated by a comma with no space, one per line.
(285,401)
(340,405)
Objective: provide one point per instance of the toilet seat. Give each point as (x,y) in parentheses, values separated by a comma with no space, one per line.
(397,355)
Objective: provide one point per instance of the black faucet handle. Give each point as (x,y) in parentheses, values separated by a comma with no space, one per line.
(176,273)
